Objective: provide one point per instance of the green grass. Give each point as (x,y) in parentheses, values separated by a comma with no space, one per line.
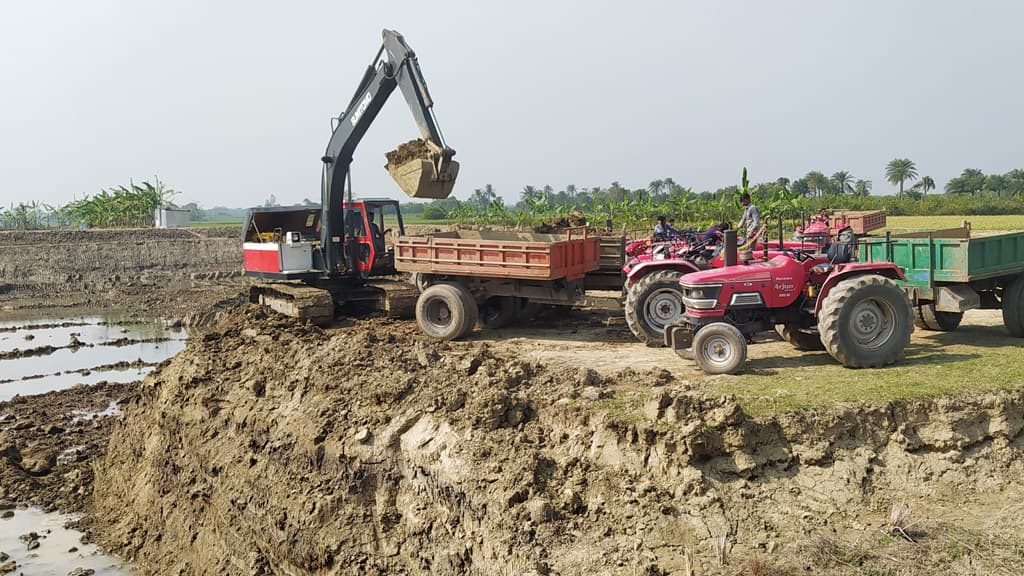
(1011,222)
(970,359)
(215,223)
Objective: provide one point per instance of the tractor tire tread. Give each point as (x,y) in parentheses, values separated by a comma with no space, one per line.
(927,317)
(1013,307)
(831,322)
(636,296)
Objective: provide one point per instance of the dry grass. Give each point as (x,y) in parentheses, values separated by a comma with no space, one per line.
(1010,222)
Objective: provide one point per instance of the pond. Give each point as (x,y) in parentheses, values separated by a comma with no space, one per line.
(39,355)
(42,355)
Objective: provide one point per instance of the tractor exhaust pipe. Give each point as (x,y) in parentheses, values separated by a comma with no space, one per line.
(730,248)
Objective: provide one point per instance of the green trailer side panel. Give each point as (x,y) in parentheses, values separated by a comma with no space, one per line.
(996,255)
(951,260)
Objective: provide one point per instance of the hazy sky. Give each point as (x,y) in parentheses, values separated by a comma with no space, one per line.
(230,101)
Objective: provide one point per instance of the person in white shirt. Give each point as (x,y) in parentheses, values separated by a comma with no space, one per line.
(750,223)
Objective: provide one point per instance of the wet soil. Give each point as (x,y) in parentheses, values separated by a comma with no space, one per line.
(47,448)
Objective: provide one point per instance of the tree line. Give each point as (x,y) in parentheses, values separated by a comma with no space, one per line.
(131,206)
(971,193)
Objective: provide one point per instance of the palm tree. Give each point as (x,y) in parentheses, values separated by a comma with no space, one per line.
(842,182)
(655,187)
(924,185)
(899,170)
(862,188)
(529,193)
(817,182)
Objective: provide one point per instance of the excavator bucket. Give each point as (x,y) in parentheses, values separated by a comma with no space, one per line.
(423,170)
(419,178)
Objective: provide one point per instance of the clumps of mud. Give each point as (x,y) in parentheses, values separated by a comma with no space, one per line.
(275,447)
(557,224)
(417,149)
(47,448)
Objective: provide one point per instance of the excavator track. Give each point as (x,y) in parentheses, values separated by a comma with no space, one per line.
(296,300)
(399,298)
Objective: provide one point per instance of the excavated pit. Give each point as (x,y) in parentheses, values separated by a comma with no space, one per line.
(269,447)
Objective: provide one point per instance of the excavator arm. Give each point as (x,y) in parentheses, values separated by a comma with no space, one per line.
(423,169)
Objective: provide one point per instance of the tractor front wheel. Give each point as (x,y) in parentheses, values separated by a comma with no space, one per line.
(655,301)
(446,311)
(866,321)
(720,348)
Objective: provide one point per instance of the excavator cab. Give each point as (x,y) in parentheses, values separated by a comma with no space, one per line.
(371,222)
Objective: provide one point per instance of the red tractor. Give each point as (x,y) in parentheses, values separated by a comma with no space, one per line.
(654,298)
(815,301)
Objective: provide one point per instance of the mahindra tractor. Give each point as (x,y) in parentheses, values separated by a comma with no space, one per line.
(654,298)
(814,300)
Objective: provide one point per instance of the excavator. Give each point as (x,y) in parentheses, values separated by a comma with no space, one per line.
(314,259)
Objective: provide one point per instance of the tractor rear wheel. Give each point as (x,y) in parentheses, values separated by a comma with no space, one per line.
(655,301)
(866,321)
(1013,307)
(801,338)
(446,311)
(498,312)
(720,348)
(927,317)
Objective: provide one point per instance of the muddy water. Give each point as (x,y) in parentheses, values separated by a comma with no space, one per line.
(39,355)
(103,343)
(54,555)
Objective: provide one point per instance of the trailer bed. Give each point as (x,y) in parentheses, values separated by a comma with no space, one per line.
(950,256)
(500,254)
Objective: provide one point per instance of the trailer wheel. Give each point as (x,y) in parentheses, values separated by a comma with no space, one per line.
(498,312)
(866,321)
(927,317)
(720,348)
(446,311)
(655,301)
(801,338)
(1013,307)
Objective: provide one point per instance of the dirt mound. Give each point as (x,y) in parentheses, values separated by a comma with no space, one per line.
(411,150)
(275,447)
(573,220)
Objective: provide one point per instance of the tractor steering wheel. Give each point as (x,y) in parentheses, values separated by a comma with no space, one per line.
(797,255)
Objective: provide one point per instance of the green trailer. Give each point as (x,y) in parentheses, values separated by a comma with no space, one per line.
(950,271)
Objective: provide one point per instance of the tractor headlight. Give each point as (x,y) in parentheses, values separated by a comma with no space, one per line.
(701,296)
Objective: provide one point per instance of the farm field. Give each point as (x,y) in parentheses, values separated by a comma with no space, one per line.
(981,223)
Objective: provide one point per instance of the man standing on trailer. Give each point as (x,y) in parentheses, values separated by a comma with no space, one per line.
(751,218)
